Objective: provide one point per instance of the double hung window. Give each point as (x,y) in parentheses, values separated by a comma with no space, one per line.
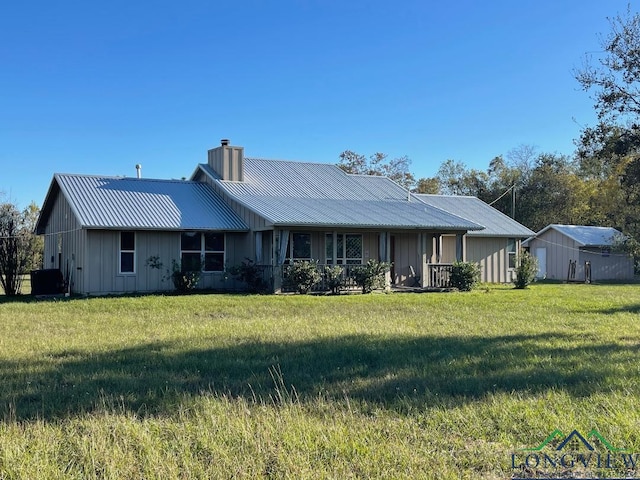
(127,253)
(202,251)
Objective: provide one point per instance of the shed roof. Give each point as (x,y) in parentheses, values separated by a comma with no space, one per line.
(496,223)
(290,193)
(101,202)
(584,235)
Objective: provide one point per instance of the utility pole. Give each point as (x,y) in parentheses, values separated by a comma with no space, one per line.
(513,201)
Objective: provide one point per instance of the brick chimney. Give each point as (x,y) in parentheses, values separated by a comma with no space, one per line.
(227,161)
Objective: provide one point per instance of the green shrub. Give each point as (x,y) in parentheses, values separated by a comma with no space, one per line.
(465,276)
(371,275)
(251,274)
(303,275)
(526,270)
(334,278)
(184,280)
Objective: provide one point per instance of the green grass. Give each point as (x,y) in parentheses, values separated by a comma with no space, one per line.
(376,386)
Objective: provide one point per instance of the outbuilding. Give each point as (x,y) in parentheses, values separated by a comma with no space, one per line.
(589,248)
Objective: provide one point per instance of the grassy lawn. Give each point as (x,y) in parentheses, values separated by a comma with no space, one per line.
(376,386)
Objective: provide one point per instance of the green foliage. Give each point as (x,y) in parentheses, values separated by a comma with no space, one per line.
(251,274)
(615,81)
(334,277)
(184,281)
(20,249)
(303,275)
(526,270)
(465,276)
(371,275)
(154,262)
(396,169)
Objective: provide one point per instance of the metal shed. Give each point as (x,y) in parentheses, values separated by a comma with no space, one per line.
(556,245)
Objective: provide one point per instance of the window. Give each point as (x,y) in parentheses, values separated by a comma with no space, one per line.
(511,252)
(127,257)
(349,249)
(300,247)
(202,251)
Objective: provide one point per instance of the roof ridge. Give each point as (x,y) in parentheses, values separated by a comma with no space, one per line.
(324,164)
(116,177)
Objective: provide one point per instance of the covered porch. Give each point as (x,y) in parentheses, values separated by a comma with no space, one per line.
(417,258)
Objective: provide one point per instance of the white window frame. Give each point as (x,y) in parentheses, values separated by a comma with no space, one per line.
(123,251)
(512,253)
(341,257)
(291,247)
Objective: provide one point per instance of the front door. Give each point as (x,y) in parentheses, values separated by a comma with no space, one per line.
(541,255)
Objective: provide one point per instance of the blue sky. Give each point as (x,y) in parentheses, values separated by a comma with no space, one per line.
(97,87)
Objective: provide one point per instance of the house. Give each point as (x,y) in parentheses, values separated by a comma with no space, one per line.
(102,232)
(555,246)
(494,248)
(115,234)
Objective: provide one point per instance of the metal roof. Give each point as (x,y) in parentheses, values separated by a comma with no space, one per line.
(496,223)
(140,203)
(316,194)
(586,236)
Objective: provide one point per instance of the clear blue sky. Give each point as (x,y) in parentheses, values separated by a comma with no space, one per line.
(96,87)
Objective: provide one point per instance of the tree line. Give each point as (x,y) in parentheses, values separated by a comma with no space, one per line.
(599,184)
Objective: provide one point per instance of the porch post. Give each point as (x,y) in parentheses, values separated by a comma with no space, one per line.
(438,238)
(424,255)
(385,255)
(258,240)
(277,269)
(460,247)
(335,248)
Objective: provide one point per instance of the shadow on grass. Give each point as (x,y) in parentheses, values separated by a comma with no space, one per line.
(621,309)
(397,372)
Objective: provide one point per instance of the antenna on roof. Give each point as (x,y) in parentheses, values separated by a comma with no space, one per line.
(138,171)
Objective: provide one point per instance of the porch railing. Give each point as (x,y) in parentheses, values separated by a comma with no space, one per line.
(348,283)
(439,275)
(268,277)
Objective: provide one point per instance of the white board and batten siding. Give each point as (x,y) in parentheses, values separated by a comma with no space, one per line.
(64,242)
(490,253)
(103,247)
(558,250)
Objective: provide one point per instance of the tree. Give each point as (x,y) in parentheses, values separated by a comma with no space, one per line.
(615,79)
(609,153)
(427,185)
(13,251)
(396,169)
(553,193)
(20,249)
(35,243)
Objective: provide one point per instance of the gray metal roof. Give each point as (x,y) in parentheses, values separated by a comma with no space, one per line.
(496,223)
(132,203)
(297,193)
(586,236)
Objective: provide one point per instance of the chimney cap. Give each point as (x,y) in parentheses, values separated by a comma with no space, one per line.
(224,142)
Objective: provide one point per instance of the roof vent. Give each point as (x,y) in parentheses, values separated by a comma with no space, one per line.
(138,170)
(224,142)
